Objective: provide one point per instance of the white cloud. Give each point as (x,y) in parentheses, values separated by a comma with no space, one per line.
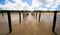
(36,5)
(18,5)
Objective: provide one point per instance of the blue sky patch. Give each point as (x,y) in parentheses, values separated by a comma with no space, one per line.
(29,2)
(2,2)
(12,1)
(58,8)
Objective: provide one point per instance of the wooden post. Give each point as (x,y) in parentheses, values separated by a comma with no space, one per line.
(27,14)
(9,21)
(36,15)
(20,17)
(2,14)
(23,15)
(54,22)
(39,16)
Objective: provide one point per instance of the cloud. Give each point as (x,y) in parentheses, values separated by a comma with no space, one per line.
(18,5)
(36,5)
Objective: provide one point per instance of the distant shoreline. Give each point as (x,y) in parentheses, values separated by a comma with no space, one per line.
(1,11)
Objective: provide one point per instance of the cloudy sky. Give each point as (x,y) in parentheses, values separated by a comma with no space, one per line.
(30,5)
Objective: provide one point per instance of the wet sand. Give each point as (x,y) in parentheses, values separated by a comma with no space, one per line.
(29,26)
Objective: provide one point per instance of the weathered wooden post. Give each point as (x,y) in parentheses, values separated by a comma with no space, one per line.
(23,16)
(2,14)
(39,16)
(54,22)
(27,14)
(9,21)
(36,15)
(20,17)
(33,14)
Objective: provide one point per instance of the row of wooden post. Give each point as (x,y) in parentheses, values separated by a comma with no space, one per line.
(9,20)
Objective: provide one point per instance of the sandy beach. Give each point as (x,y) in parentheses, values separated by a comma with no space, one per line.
(29,26)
